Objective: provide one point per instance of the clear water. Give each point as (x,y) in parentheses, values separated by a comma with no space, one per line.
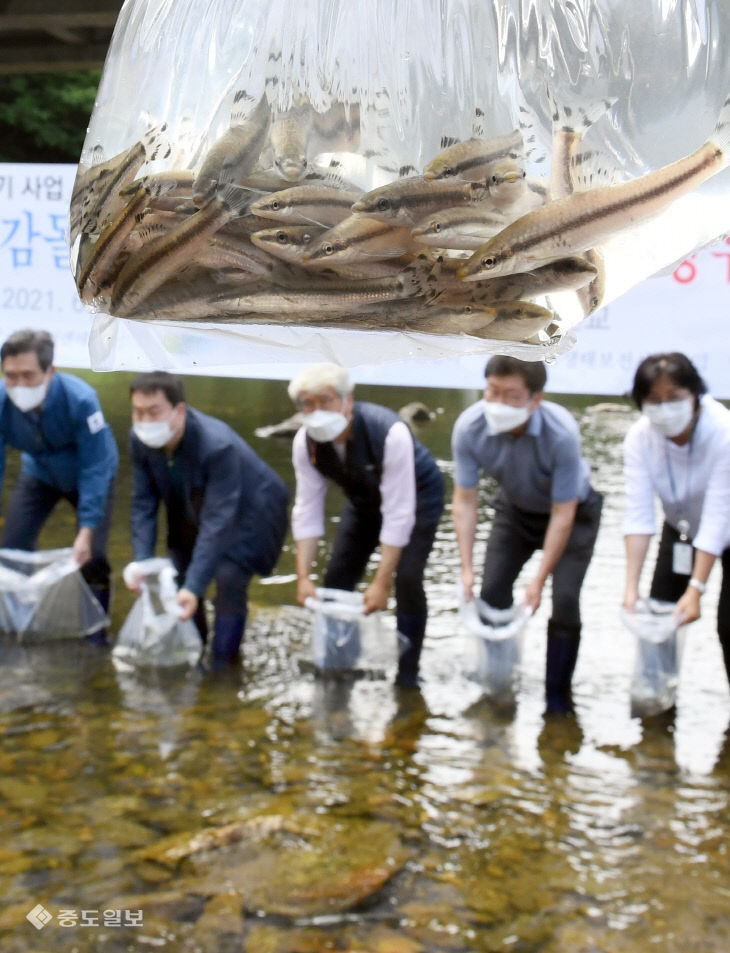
(364,818)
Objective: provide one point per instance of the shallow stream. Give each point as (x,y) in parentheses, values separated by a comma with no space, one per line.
(269,810)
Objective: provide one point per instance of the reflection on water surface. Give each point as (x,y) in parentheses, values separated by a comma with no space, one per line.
(267,810)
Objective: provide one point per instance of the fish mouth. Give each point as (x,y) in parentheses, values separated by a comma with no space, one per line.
(510,178)
(291,170)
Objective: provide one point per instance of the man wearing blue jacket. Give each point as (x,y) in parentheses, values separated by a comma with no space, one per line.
(226,508)
(68,452)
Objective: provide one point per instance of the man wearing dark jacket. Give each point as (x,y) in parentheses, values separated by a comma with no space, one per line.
(395,497)
(226,508)
(68,452)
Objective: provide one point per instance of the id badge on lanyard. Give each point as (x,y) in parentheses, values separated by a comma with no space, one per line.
(682,551)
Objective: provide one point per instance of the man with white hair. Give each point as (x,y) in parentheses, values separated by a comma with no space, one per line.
(395,495)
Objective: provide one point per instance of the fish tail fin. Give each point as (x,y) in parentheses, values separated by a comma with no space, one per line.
(721,135)
(578,118)
(156,143)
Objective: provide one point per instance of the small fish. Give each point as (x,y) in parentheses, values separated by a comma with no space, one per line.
(162,257)
(285,304)
(220,253)
(591,295)
(289,242)
(307,205)
(409,200)
(95,206)
(585,220)
(103,263)
(569,129)
(360,238)
(565,274)
(474,159)
(235,153)
(289,135)
(570,126)
(463,227)
(519,321)
(455,320)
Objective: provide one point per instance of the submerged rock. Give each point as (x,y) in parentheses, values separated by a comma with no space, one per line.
(171,850)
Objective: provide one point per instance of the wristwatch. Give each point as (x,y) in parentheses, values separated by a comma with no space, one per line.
(696,584)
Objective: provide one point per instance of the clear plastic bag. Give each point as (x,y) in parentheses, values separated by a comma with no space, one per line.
(343,638)
(43,596)
(659,647)
(357,96)
(153,633)
(495,644)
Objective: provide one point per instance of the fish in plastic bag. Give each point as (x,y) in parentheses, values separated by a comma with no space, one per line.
(496,643)
(659,646)
(270,184)
(43,596)
(153,634)
(344,639)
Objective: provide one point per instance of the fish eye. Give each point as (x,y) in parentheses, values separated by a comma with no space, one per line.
(488,262)
(383,205)
(282,238)
(275,205)
(437,227)
(493,179)
(328,248)
(449,171)
(306,238)
(468,309)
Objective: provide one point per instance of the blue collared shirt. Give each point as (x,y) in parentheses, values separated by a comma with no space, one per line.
(66,444)
(539,467)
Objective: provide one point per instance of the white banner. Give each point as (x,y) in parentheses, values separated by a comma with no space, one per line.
(685,311)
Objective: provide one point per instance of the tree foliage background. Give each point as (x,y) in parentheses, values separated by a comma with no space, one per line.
(44,116)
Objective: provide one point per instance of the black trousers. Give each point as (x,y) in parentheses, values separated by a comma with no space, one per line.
(32,502)
(669,586)
(357,538)
(516,535)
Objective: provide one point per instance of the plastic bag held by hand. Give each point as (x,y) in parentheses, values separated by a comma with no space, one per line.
(659,647)
(496,641)
(43,596)
(377,181)
(153,633)
(343,638)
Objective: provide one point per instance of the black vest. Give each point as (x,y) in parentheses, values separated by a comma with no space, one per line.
(361,471)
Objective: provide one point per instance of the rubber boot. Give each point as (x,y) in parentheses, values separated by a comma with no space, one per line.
(562,654)
(411,631)
(227,637)
(99,638)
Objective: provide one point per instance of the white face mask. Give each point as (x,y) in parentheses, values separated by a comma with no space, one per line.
(502,417)
(28,398)
(154,433)
(324,425)
(671,417)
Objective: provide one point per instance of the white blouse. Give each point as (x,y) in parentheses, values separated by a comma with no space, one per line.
(692,481)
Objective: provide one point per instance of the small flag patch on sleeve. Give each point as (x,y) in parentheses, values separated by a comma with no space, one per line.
(96,422)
